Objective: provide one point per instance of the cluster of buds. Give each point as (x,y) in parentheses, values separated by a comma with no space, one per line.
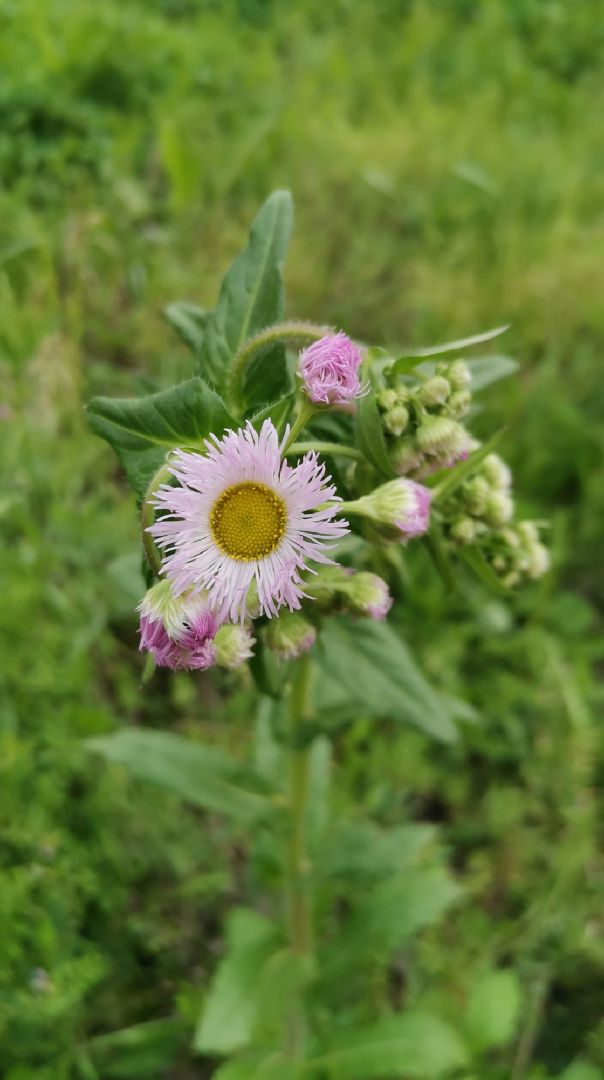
(422,420)
(481,512)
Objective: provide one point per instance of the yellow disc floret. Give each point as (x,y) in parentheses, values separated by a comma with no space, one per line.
(248,521)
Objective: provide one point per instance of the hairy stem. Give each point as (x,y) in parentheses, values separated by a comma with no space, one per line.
(292,332)
(297,880)
(336,449)
(148,517)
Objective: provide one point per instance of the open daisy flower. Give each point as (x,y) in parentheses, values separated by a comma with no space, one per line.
(241,516)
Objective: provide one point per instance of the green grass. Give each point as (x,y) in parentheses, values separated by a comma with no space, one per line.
(447,163)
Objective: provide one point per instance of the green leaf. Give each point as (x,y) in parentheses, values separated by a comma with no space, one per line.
(413,1044)
(411,358)
(462,472)
(582,1070)
(493,1008)
(189,321)
(367,670)
(278,991)
(143,1050)
(251,296)
(200,774)
(257,1066)
(143,430)
(490,369)
(382,921)
(231,1007)
(365,850)
(369,428)
(474,558)
(277,411)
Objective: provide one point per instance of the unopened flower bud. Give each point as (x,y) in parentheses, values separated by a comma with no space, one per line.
(290,634)
(368,594)
(458,404)
(329,370)
(234,644)
(400,504)
(443,437)
(396,420)
(475,494)
(406,457)
(434,391)
(387,399)
(464,530)
(495,470)
(528,532)
(178,631)
(459,375)
(499,508)
(538,560)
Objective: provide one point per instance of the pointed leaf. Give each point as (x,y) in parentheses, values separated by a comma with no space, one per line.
(367,670)
(404,363)
(414,1045)
(143,430)
(364,850)
(199,774)
(370,430)
(493,1008)
(231,1006)
(474,558)
(389,915)
(189,321)
(251,296)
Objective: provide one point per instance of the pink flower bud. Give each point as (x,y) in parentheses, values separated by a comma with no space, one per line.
(329,370)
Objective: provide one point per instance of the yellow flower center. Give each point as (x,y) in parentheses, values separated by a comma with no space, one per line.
(248,521)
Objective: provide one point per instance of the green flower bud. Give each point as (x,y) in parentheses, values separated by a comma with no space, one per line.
(495,470)
(396,420)
(434,391)
(406,457)
(499,508)
(387,399)
(403,393)
(233,645)
(459,404)
(444,437)
(538,560)
(290,634)
(368,594)
(527,532)
(475,493)
(464,530)
(459,375)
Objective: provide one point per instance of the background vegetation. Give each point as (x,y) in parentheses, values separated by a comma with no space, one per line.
(447,163)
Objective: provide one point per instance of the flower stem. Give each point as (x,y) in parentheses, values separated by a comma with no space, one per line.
(148,517)
(300,332)
(305,410)
(297,871)
(336,449)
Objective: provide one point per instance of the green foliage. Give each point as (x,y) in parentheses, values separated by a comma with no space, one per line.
(200,774)
(419,1043)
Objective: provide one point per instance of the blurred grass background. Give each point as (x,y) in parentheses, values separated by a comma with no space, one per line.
(447,164)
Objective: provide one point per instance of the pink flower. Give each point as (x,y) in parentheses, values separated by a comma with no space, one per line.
(178,632)
(400,504)
(242,516)
(329,370)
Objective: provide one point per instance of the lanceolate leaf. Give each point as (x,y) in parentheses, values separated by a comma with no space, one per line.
(189,321)
(143,430)
(199,774)
(370,431)
(251,296)
(411,1045)
(413,357)
(231,1006)
(386,916)
(367,670)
